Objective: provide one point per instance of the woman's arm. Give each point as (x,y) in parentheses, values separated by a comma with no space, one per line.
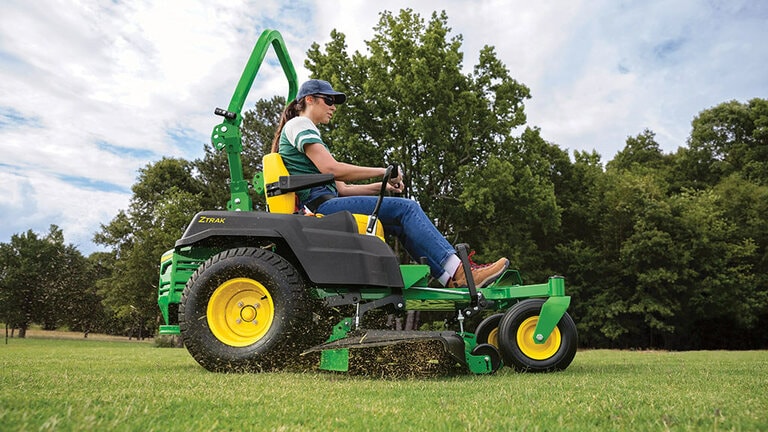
(366,189)
(346,189)
(343,172)
(325,162)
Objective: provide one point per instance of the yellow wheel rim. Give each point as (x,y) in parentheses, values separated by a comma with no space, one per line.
(493,338)
(240,312)
(533,350)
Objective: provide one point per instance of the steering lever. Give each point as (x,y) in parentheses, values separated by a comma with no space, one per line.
(388,174)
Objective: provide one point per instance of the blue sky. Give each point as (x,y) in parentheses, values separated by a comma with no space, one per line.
(91,91)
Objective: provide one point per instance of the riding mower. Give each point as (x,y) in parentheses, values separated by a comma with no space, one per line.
(252,290)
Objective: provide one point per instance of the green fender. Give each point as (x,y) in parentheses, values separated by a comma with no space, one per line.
(551,311)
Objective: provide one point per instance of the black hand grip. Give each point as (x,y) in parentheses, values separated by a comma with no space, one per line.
(224,113)
(388,174)
(394,169)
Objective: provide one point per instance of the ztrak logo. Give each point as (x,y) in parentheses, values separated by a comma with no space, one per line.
(211,220)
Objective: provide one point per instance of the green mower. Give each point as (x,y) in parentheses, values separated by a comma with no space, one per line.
(252,291)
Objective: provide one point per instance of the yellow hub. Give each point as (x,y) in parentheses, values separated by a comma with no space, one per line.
(493,338)
(240,312)
(533,350)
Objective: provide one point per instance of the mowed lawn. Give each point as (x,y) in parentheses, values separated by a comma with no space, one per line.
(65,384)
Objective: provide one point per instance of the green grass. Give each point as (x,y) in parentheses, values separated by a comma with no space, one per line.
(65,385)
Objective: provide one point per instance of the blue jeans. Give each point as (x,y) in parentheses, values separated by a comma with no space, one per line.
(405,219)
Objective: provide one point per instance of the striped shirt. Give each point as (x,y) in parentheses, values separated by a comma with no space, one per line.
(297,133)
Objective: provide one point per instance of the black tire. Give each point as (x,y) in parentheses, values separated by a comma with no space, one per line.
(518,348)
(488,330)
(245,310)
(492,353)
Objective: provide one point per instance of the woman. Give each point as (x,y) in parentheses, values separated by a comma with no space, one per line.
(303,151)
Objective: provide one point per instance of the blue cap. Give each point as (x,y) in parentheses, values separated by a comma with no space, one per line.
(316,86)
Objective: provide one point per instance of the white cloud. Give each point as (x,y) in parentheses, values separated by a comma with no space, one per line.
(36,201)
(91,91)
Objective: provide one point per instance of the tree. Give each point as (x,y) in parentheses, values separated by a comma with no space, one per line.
(165,198)
(728,155)
(409,102)
(722,288)
(640,152)
(25,265)
(512,204)
(581,254)
(729,138)
(85,311)
(631,207)
(655,264)
(41,279)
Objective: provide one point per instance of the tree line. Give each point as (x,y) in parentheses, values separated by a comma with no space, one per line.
(658,250)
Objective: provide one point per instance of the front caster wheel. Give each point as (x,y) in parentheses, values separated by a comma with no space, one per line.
(517,344)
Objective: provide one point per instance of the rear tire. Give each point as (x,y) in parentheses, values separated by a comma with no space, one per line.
(244,310)
(518,348)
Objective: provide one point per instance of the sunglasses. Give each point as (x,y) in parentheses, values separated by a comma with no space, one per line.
(327,99)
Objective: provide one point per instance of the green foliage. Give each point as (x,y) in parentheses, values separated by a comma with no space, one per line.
(640,153)
(43,280)
(165,198)
(667,263)
(409,102)
(650,250)
(729,138)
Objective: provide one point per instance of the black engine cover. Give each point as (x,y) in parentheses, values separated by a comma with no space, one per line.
(329,248)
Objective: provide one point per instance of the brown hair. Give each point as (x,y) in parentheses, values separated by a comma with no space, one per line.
(292,110)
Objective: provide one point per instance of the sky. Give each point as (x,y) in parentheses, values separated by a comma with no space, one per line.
(91,91)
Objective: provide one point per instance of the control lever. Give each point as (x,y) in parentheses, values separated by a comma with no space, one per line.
(388,174)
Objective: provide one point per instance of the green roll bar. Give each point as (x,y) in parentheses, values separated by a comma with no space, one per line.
(226,135)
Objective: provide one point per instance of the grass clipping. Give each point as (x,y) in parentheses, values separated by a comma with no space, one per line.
(412,359)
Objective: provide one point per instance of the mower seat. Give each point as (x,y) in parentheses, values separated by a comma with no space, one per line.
(280,187)
(280,190)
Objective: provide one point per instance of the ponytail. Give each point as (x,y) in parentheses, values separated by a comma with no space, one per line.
(292,110)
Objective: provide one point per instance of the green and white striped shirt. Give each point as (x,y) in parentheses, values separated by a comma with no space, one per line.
(298,132)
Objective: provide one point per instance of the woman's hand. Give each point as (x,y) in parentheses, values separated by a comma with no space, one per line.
(395,188)
(395,184)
